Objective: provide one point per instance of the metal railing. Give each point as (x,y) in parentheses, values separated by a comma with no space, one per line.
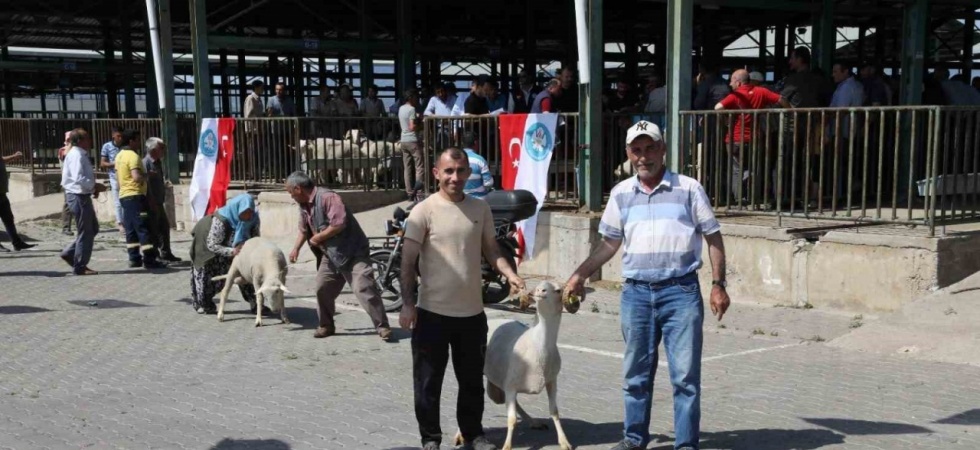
(440,132)
(881,165)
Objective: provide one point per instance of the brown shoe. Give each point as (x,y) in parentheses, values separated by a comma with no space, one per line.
(385,334)
(322,332)
(86,271)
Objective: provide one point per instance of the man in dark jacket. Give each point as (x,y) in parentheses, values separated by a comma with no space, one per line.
(341,250)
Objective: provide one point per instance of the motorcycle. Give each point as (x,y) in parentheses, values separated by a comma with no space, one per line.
(507,207)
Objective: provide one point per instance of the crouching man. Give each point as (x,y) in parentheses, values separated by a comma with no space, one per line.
(659,217)
(341,250)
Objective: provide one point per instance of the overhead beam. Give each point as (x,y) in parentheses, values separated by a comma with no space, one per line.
(824,36)
(70,66)
(230,42)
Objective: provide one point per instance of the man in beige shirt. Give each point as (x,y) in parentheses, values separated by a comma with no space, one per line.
(445,239)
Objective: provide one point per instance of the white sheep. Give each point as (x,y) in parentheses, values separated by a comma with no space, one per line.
(323,158)
(525,360)
(261,263)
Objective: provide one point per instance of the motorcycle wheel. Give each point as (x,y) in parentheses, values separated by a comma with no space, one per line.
(391,286)
(498,289)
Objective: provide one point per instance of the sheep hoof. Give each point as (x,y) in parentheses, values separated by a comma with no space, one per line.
(258,323)
(539,426)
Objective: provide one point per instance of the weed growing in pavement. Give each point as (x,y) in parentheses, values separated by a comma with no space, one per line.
(856,321)
(758,332)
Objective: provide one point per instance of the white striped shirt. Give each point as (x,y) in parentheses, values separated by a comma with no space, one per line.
(661,231)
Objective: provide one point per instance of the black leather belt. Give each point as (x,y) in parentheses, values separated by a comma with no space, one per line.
(683,279)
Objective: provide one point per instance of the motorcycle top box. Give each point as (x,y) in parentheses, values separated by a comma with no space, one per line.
(511,206)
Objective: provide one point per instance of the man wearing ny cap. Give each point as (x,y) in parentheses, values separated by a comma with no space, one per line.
(659,217)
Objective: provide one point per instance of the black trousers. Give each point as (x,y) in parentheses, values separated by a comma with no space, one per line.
(7,216)
(159,225)
(433,337)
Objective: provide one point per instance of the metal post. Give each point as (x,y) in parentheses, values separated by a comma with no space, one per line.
(779,62)
(366,59)
(824,36)
(299,85)
(591,107)
(203,98)
(8,95)
(862,37)
(405,68)
(966,60)
(914,32)
(529,64)
(680,22)
(913,50)
(169,113)
(111,89)
(225,88)
(763,50)
(129,84)
(242,80)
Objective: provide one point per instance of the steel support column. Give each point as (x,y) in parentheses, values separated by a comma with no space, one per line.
(203,98)
(590,104)
(366,58)
(824,37)
(242,81)
(763,50)
(966,58)
(779,52)
(405,61)
(111,88)
(914,33)
(299,85)
(915,29)
(169,113)
(529,60)
(8,95)
(129,83)
(225,88)
(680,22)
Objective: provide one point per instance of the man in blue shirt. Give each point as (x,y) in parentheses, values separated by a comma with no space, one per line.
(108,161)
(480,181)
(280,105)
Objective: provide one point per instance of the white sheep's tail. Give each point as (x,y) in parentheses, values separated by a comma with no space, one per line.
(495,393)
(220,277)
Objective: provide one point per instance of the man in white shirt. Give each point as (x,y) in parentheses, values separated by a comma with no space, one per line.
(78,181)
(440,104)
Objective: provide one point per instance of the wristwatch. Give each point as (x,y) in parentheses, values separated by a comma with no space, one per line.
(720,283)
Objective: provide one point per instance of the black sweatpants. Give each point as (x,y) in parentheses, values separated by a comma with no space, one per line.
(7,215)
(433,337)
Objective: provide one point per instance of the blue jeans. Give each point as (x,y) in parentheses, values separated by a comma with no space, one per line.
(80,250)
(674,311)
(114,184)
(136,222)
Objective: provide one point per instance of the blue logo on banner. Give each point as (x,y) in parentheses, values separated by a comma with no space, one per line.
(209,143)
(538,141)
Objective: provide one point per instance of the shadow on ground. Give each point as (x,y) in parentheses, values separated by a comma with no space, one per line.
(762,439)
(106,304)
(971,417)
(258,444)
(866,427)
(18,309)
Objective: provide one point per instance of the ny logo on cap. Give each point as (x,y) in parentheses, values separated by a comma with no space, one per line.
(642,126)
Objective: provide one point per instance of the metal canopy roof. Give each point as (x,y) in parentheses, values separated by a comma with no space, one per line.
(452,29)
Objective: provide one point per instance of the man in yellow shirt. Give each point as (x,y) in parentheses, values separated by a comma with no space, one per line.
(132,196)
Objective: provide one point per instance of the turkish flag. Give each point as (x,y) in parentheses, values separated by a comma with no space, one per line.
(527,144)
(222,166)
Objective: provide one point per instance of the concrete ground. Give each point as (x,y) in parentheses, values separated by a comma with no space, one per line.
(120,360)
